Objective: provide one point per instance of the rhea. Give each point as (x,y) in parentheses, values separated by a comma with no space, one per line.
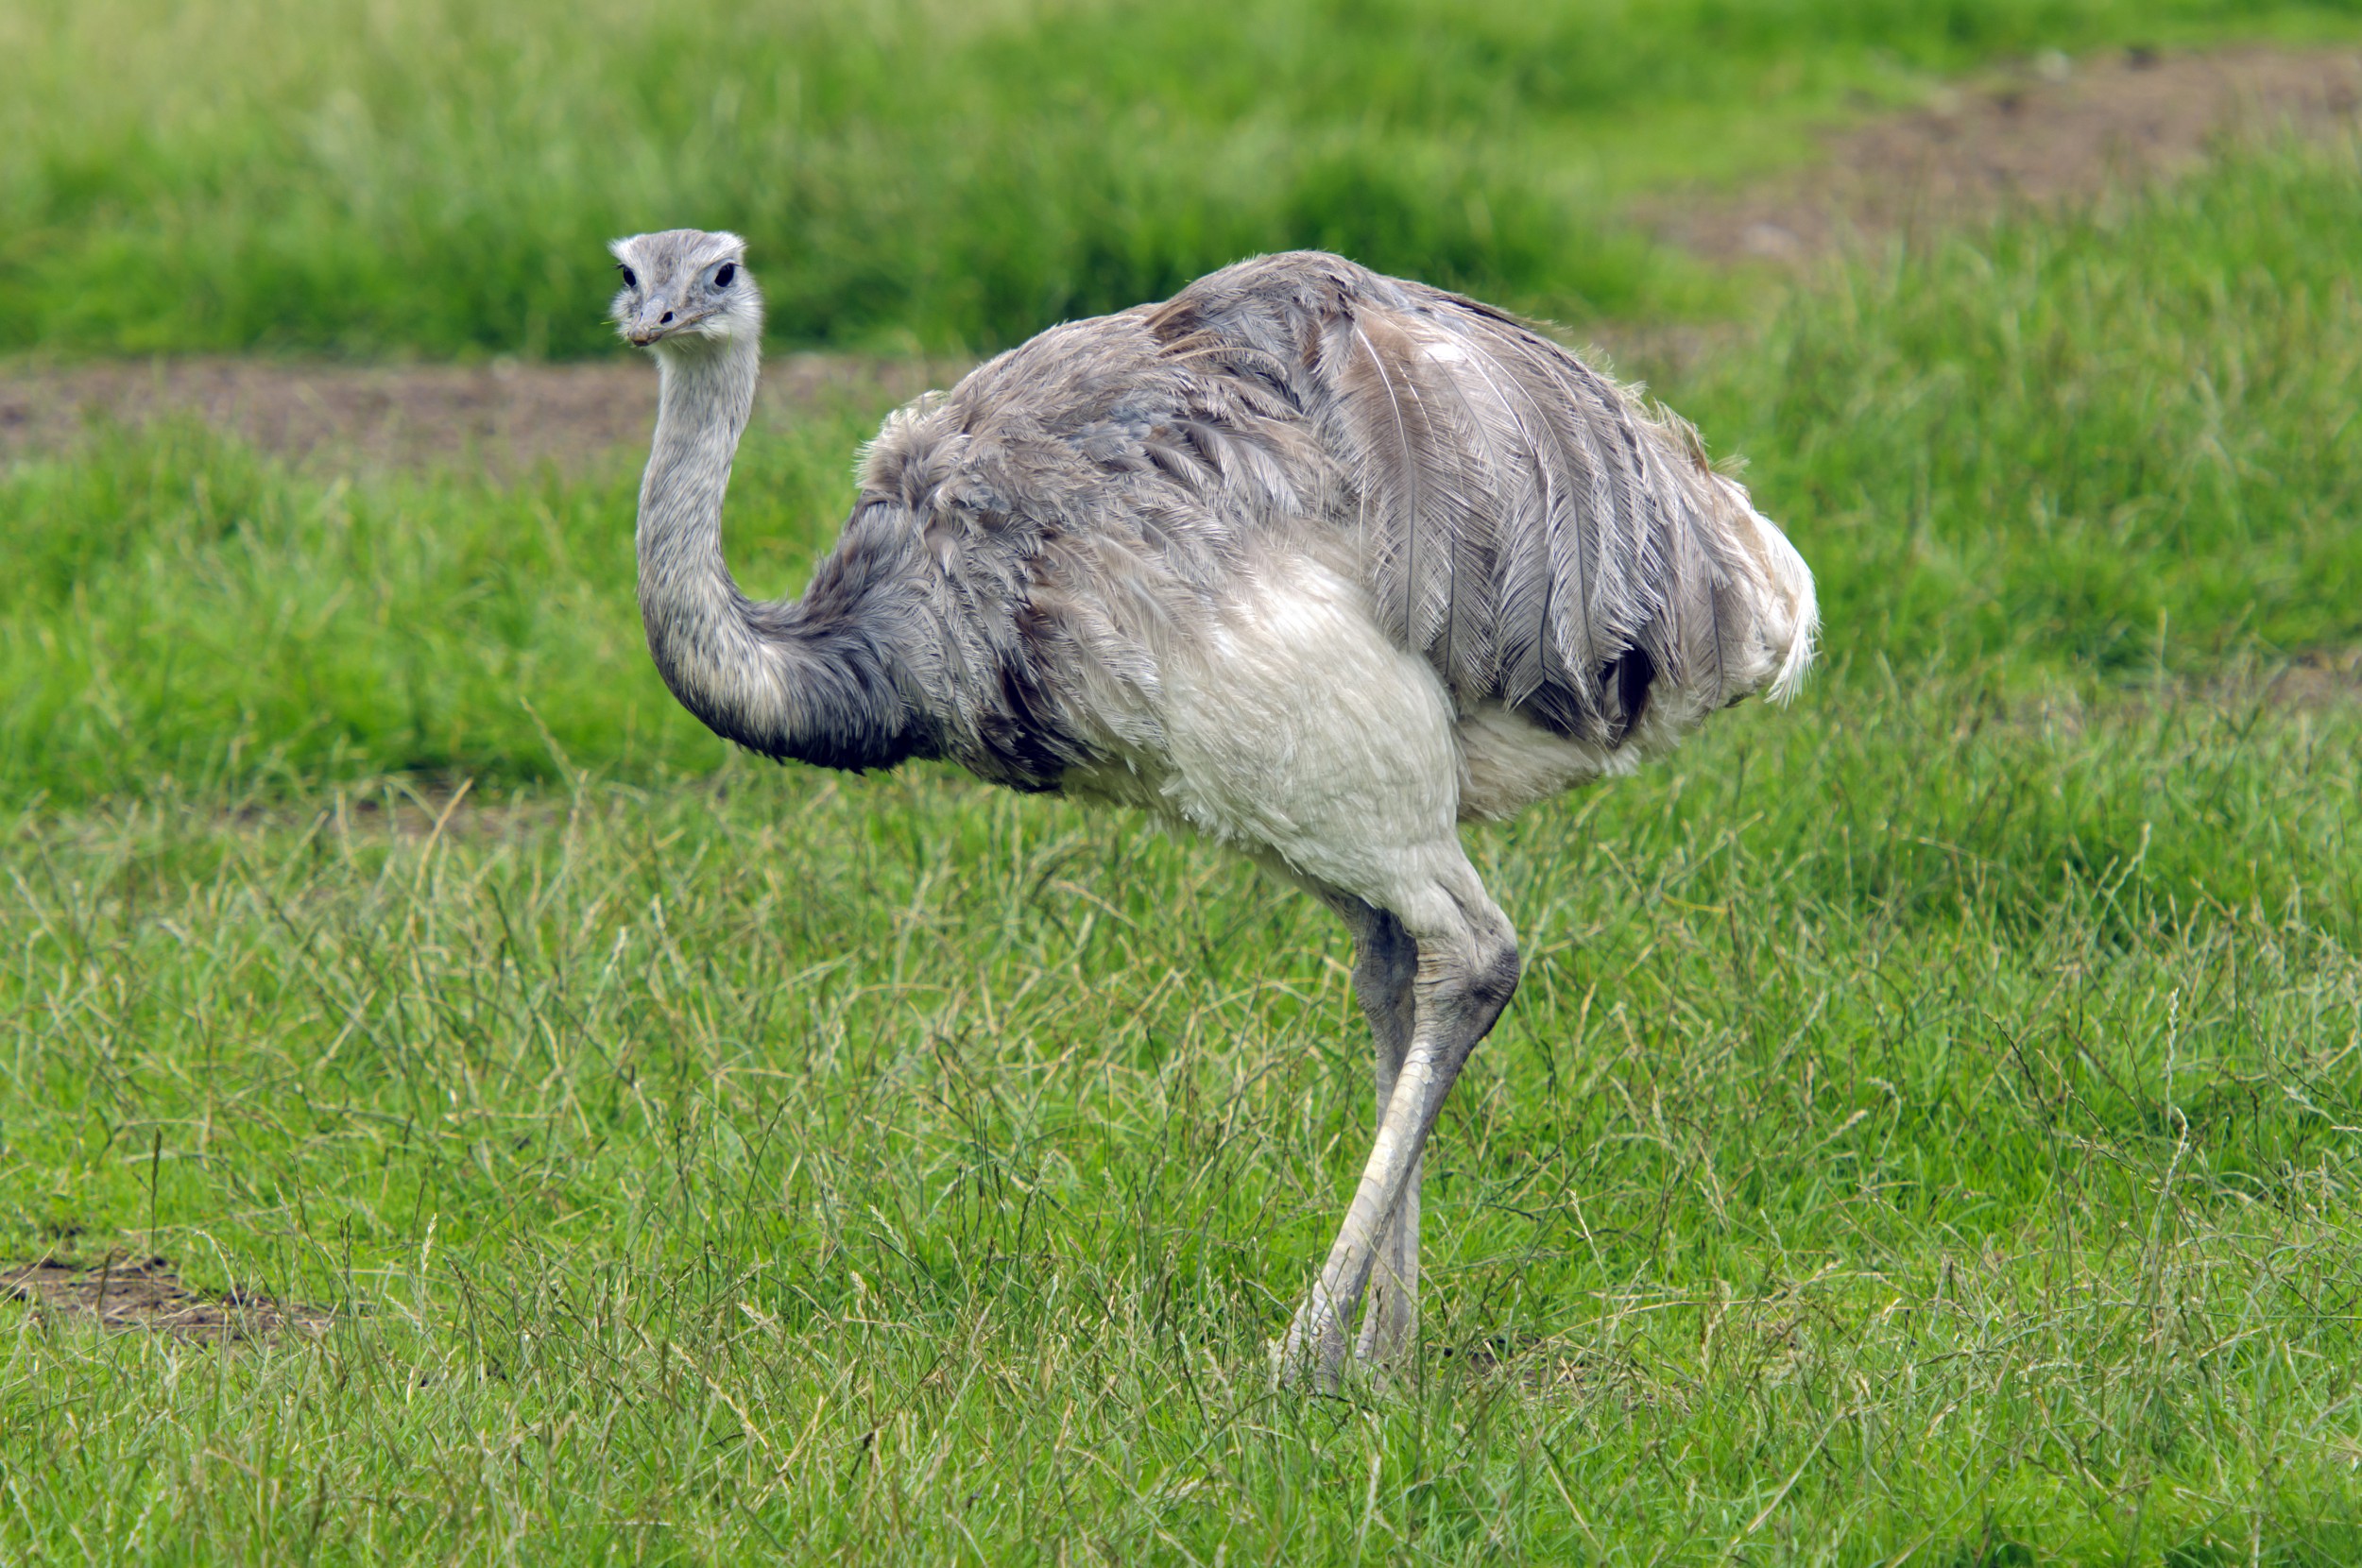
(1317,563)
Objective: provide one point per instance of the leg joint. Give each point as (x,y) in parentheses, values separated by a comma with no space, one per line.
(1493,977)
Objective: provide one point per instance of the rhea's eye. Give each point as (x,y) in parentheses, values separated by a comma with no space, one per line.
(729,271)
(631,279)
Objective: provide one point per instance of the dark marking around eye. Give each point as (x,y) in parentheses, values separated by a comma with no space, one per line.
(729,271)
(631,279)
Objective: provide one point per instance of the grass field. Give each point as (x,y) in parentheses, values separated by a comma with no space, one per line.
(1930,1130)
(1902,1142)
(364,178)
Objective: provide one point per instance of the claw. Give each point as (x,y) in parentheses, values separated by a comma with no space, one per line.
(1312,1355)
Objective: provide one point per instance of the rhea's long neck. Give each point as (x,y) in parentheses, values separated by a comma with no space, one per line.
(774,678)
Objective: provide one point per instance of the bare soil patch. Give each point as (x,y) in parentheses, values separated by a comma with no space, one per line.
(505,415)
(2310,682)
(2040,133)
(145,1293)
(2047,133)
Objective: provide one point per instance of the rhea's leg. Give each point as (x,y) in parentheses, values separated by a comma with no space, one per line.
(1299,730)
(1385,964)
(1465,973)
(1383,975)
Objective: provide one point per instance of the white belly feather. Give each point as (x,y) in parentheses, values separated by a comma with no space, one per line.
(1293,728)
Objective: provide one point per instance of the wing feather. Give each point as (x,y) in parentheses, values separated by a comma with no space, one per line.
(1544,566)
(1524,522)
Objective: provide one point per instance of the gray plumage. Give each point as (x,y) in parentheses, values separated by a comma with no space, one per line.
(1058,573)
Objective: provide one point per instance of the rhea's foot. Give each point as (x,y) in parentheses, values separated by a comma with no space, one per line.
(1313,1354)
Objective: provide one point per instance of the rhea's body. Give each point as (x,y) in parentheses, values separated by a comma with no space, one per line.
(1154,556)
(1315,562)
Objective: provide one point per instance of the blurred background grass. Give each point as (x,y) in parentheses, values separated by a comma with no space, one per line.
(366,178)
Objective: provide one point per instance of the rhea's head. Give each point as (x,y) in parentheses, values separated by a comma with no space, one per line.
(685,286)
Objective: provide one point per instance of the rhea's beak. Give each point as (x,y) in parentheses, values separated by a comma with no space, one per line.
(654,320)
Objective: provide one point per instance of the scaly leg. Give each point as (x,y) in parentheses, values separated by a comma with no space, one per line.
(1466,972)
(1387,965)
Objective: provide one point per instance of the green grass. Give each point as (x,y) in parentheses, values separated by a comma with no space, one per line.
(2085,448)
(442,176)
(1927,1130)
(891,1170)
